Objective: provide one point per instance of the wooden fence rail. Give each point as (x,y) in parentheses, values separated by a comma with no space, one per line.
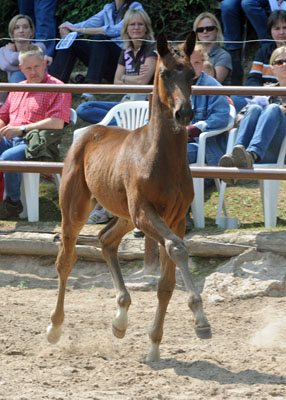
(197,172)
(99,88)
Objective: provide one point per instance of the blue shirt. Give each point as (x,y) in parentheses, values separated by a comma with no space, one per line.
(107,19)
(211,111)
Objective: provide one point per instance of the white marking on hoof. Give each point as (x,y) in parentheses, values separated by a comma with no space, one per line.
(154,353)
(117,332)
(120,322)
(53,333)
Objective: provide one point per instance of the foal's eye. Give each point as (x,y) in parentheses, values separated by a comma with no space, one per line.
(180,67)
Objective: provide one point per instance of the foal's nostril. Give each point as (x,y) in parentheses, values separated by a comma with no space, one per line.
(184,114)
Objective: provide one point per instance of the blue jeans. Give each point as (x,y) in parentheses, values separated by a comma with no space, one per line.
(12,150)
(42,13)
(239,102)
(262,130)
(232,17)
(215,149)
(94,111)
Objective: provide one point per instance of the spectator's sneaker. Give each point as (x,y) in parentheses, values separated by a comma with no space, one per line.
(10,210)
(87,97)
(241,157)
(99,217)
(137,233)
(227,161)
(79,78)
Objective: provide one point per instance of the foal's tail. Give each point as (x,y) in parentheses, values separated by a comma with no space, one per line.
(74,195)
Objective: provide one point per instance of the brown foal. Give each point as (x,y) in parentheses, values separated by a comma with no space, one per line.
(142,177)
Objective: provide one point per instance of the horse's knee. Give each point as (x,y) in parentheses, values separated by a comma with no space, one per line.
(176,248)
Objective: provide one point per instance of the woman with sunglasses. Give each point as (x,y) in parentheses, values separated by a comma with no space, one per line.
(263,127)
(209,34)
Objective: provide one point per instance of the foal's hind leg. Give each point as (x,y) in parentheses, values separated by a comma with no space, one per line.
(75,211)
(110,238)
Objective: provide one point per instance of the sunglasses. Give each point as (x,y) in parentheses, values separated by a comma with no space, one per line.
(279,62)
(206,28)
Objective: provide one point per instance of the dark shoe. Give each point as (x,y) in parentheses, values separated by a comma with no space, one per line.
(137,233)
(10,210)
(227,161)
(79,78)
(241,157)
(188,223)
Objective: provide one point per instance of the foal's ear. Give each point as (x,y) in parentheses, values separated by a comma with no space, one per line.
(162,45)
(189,44)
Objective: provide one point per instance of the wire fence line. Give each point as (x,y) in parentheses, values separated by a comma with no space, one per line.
(153,41)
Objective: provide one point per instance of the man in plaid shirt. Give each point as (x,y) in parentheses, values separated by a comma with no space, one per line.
(23,112)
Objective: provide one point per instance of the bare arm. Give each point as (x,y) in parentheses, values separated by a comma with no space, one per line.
(47,123)
(66,28)
(147,70)
(221,73)
(2,123)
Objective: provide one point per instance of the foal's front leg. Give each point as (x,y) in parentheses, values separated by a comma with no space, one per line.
(153,225)
(110,238)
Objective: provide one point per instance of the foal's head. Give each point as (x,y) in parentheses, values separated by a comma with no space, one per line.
(175,77)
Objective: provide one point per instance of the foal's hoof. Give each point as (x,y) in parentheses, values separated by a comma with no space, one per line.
(53,334)
(117,332)
(203,333)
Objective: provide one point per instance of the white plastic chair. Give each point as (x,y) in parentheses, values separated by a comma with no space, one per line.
(198,202)
(269,189)
(129,114)
(30,187)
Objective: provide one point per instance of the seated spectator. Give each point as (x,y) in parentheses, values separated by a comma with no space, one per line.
(26,117)
(261,72)
(136,64)
(21,31)
(263,127)
(209,34)
(101,55)
(233,13)
(211,112)
(42,13)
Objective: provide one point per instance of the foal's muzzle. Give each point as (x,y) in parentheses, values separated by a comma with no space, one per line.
(184,114)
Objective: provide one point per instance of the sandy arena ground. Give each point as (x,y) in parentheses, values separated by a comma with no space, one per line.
(245,359)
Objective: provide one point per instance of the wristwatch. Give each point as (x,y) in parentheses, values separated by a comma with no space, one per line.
(23,129)
(123,78)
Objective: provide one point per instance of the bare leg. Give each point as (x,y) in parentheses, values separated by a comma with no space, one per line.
(110,239)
